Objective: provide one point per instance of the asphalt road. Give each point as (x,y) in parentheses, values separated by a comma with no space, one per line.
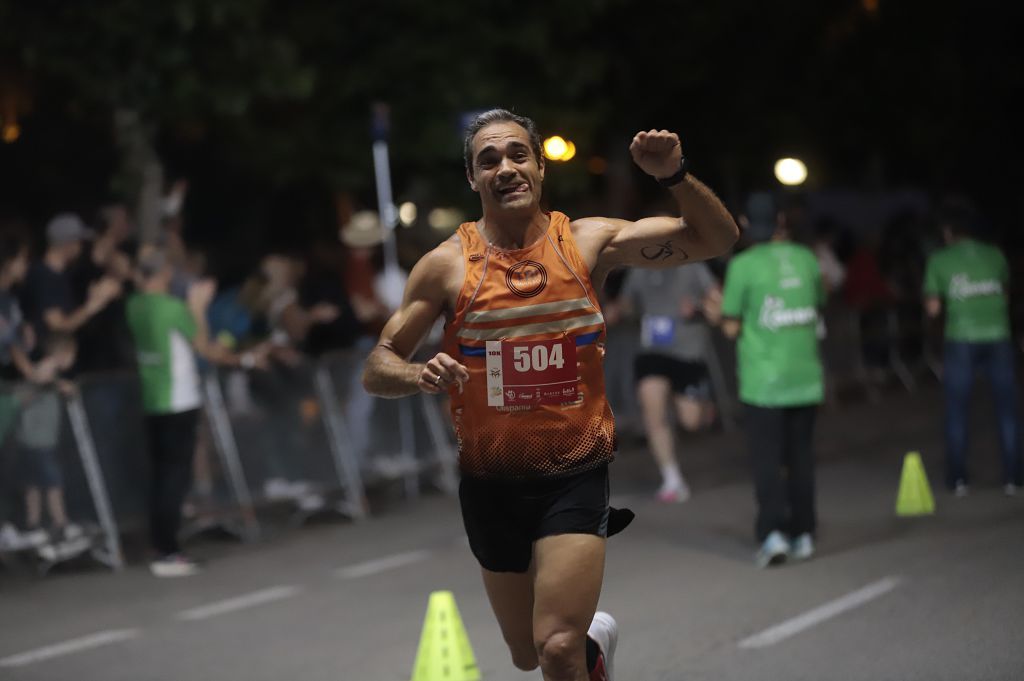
(932,598)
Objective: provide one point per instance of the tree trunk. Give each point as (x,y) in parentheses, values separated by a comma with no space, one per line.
(141,173)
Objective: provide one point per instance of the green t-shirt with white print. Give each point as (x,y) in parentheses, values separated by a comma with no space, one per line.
(775,290)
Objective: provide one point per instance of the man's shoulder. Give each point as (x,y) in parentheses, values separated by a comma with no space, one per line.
(444,255)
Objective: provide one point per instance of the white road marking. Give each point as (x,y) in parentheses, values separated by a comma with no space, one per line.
(249,600)
(794,626)
(75,645)
(372,567)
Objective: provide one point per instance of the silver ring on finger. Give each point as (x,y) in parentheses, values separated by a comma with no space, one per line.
(437,380)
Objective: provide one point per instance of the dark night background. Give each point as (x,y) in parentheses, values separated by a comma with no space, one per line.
(265,106)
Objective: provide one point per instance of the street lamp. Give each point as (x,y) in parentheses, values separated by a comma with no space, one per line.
(555,148)
(790,171)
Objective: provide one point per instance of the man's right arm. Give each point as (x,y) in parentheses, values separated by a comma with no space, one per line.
(389,373)
(100,294)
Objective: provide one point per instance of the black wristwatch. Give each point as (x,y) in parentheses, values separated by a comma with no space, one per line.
(680,175)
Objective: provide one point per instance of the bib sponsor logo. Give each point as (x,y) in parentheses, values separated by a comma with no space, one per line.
(962,288)
(774,314)
(526,278)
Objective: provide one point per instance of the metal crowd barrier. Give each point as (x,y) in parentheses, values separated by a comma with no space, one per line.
(307,436)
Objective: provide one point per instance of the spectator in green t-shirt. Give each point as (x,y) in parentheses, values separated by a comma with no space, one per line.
(970,280)
(168,332)
(771,299)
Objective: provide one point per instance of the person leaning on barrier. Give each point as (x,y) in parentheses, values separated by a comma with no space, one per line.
(522,365)
(49,298)
(772,295)
(168,332)
(970,279)
(32,405)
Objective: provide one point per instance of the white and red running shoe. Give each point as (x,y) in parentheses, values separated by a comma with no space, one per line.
(605,632)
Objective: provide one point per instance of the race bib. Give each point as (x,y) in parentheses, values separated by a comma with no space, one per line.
(531,372)
(657,331)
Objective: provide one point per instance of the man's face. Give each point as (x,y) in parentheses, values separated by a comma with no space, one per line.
(72,250)
(506,172)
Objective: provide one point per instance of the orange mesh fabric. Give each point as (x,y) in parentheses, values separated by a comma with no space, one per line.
(541,292)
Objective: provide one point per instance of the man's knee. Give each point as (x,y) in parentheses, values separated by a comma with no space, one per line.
(561,652)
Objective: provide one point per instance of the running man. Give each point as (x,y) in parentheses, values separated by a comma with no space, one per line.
(671,366)
(522,364)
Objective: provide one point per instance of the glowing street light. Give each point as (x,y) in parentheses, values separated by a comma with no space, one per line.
(555,147)
(10,132)
(407,213)
(790,171)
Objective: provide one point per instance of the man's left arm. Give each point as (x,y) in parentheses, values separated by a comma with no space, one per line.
(706,230)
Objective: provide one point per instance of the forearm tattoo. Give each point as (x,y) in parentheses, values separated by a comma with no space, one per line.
(660,252)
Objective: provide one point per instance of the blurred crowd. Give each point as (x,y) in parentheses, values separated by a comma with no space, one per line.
(95,300)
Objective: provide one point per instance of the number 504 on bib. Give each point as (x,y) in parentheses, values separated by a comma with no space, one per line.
(531,372)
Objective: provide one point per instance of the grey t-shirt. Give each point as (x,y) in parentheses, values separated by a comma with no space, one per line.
(659,297)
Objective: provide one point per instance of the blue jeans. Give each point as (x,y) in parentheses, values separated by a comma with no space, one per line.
(996,361)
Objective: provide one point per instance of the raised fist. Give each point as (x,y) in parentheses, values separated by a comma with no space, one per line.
(657,152)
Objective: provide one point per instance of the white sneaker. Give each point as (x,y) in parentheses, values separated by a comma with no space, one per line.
(35,538)
(175,565)
(311,502)
(773,551)
(605,632)
(802,547)
(960,489)
(1010,489)
(72,531)
(276,489)
(674,494)
(64,550)
(10,538)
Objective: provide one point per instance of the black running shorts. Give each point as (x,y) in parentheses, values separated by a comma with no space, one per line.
(688,378)
(503,519)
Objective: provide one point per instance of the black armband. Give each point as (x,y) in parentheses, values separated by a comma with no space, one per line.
(680,175)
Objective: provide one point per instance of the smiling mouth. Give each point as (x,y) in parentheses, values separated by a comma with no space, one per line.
(513,189)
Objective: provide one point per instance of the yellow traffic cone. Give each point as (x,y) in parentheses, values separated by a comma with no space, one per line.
(915,495)
(444,653)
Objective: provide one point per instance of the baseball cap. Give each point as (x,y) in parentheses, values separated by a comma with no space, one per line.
(65,228)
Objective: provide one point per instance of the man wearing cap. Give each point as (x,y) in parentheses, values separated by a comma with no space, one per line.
(49,298)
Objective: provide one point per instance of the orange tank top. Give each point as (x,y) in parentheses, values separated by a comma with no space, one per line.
(529,328)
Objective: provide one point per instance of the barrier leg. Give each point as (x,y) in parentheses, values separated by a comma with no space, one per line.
(110,555)
(227,449)
(345,463)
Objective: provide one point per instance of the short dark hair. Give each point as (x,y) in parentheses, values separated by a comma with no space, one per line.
(482,120)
